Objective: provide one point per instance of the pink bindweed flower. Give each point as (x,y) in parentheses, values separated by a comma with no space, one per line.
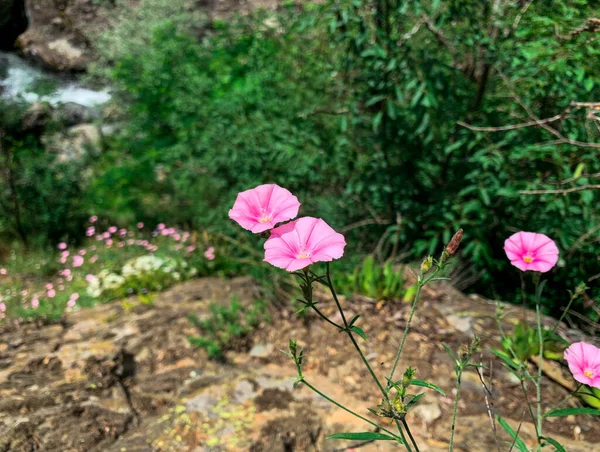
(3,271)
(89,278)
(63,260)
(51,293)
(302,242)
(82,252)
(160,226)
(65,272)
(62,246)
(106,235)
(77,261)
(49,286)
(140,225)
(93,219)
(108,243)
(2,307)
(35,303)
(121,244)
(261,208)
(210,253)
(191,249)
(90,231)
(584,363)
(122,232)
(531,251)
(71,303)
(112,229)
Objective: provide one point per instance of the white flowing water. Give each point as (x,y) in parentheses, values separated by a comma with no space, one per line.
(21,80)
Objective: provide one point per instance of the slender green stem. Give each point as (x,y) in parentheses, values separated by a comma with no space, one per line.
(412,439)
(529,407)
(339,405)
(406,330)
(324,317)
(540,363)
(565,312)
(349,332)
(455,409)
(566,398)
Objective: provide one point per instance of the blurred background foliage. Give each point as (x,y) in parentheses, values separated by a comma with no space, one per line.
(398,122)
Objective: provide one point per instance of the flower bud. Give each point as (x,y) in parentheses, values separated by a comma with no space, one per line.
(454,242)
(426,265)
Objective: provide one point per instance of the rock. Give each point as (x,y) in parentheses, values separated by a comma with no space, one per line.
(428,412)
(72,114)
(462,324)
(75,143)
(244,391)
(13,22)
(261,350)
(201,403)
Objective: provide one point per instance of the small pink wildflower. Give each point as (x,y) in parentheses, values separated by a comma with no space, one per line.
(106,235)
(48,286)
(584,363)
(140,225)
(82,252)
(160,226)
(210,253)
(261,208)
(531,251)
(35,303)
(75,296)
(65,254)
(71,303)
(122,232)
(3,271)
(94,258)
(90,231)
(112,229)
(121,244)
(51,293)
(77,261)
(89,277)
(62,246)
(2,307)
(302,242)
(130,242)
(108,243)
(190,249)
(65,272)
(93,219)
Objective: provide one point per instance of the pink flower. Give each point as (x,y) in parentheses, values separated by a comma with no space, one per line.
(106,235)
(65,272)
(584,363)
(140,225)
(302,242)
(94,258)
(121,244)
(261,208)
(71,303)
(65,254)
(35,303)
(49,286)
(122,232)
(160,226)
(2,307)
(112,229)
(90,231)
(82,252)
(210,253)
(51,293)
(109,242)
(190,249)
(89,278)
(77,261)
(62,246)
(75,296)
(531,251)
(3,271)
(93,219)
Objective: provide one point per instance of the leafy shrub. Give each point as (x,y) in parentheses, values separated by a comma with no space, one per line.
(226,326)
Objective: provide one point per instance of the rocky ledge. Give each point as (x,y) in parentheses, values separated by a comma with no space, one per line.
(123,377)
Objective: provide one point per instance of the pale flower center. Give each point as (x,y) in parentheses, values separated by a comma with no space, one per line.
(303,254)
(588,373)
(527,258)
(264,217)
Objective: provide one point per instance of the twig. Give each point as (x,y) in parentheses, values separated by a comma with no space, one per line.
(564,191)
(537,122)
(487,394)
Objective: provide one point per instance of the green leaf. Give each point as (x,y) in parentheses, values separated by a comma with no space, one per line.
(359,331)
(363,436)
(578,171)
(414,400)
(519,443)
(556,444)
(354,319)
(504,357)
(425,384)
(574,411)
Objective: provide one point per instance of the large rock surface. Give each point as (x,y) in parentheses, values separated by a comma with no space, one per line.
(13,22)
(123,377)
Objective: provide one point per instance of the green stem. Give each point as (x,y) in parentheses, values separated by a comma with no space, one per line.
(349,333)
(339,405)
(573,298)
(566,398)
(324,317)
(455,410)
(529,407)
(406,330)
(412,439)
(538,385)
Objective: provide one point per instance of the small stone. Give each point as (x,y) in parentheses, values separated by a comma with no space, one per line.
(261,350)
(428,413)
(201,403)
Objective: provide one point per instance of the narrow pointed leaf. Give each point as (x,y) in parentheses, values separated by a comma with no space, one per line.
(359,331)
(519,443)
(556,444)
(425,384)
(363,436)
(572,411)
